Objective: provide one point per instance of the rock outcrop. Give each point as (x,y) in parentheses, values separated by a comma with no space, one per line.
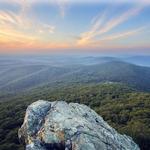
(61,126)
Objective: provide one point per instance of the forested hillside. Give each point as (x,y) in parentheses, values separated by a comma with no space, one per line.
(124,108)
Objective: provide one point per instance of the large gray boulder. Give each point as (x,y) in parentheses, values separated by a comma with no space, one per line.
(62,126)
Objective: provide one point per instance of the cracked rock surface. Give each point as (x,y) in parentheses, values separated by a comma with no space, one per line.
(62,126)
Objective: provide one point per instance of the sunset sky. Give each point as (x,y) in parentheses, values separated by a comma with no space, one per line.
(74,26)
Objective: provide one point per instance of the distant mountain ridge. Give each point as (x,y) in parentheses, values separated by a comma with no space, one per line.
(32,76)
(139,60)
(115,71)
(24,73)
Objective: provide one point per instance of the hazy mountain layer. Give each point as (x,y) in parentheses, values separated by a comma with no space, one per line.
(22,77)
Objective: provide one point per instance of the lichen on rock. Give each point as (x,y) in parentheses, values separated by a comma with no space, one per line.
(62,126)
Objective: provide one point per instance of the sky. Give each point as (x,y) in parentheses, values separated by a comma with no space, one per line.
(69,26)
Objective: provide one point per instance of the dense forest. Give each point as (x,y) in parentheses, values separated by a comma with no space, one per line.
(124,108)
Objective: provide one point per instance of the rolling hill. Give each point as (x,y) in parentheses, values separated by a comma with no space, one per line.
(115,71)
(27,77)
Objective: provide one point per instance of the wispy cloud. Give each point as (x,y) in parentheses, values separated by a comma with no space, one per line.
(62,7)
(61,4)
(119,36)
(19,28)
(100,27)
(15,29)
(85,1)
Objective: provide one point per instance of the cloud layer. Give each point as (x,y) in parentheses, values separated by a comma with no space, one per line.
(101,28)
(104,29)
